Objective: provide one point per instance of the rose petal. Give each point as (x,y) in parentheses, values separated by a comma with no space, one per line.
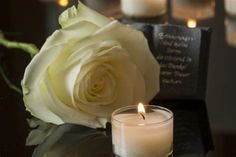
(67,114)
(38,65)
(82,13)
(139,52)
(137,47)
(128,79)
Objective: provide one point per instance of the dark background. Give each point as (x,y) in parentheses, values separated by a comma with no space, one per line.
(33,20)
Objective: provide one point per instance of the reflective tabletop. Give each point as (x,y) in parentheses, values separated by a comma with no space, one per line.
(195,126)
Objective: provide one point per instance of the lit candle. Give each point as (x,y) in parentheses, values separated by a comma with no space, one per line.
(142,134)
(192,9)
(230,7)
(63,3)
(191,23)
(230,28)
(143,8)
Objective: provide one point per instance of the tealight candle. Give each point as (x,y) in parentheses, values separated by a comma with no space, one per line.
(230,7)
(192,9)
(143,8)
(230,31)
(191,23)
(142,134)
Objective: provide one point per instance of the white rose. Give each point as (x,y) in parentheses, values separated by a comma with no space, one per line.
(87,69)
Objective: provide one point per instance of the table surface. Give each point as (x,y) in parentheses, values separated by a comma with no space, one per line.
(32,21)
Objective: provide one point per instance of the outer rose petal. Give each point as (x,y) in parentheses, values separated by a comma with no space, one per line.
(82,13)
(38,65)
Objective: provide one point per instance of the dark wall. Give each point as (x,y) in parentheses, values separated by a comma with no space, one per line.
(21,21)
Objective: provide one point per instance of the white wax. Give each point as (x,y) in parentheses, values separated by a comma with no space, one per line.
(230,7)
(188,9)
(143,8)
(135,137)
(230,28)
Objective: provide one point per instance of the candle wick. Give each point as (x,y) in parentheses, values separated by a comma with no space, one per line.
(142,114)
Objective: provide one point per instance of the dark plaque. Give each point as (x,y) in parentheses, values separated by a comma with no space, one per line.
(183,70)
(177,50)
(183,55)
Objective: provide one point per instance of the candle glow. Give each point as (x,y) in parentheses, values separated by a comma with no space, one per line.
(63,3)
(191,23)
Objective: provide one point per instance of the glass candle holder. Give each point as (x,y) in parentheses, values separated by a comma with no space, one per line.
(230,31)
(230,7)
(143,8)
(136,136)
(193,9)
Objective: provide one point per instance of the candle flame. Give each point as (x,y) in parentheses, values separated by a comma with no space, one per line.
(141,110)
(191,23)
(63,3)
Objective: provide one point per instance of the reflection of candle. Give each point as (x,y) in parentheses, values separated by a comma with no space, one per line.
(135,136)
(192,9)
(143,8)
(191,23)
(230,28)
(230,7)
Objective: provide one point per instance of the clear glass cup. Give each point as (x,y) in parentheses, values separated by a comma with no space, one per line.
(193,9)
(143,9)
(230,7)
(230,31)
(134,136)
